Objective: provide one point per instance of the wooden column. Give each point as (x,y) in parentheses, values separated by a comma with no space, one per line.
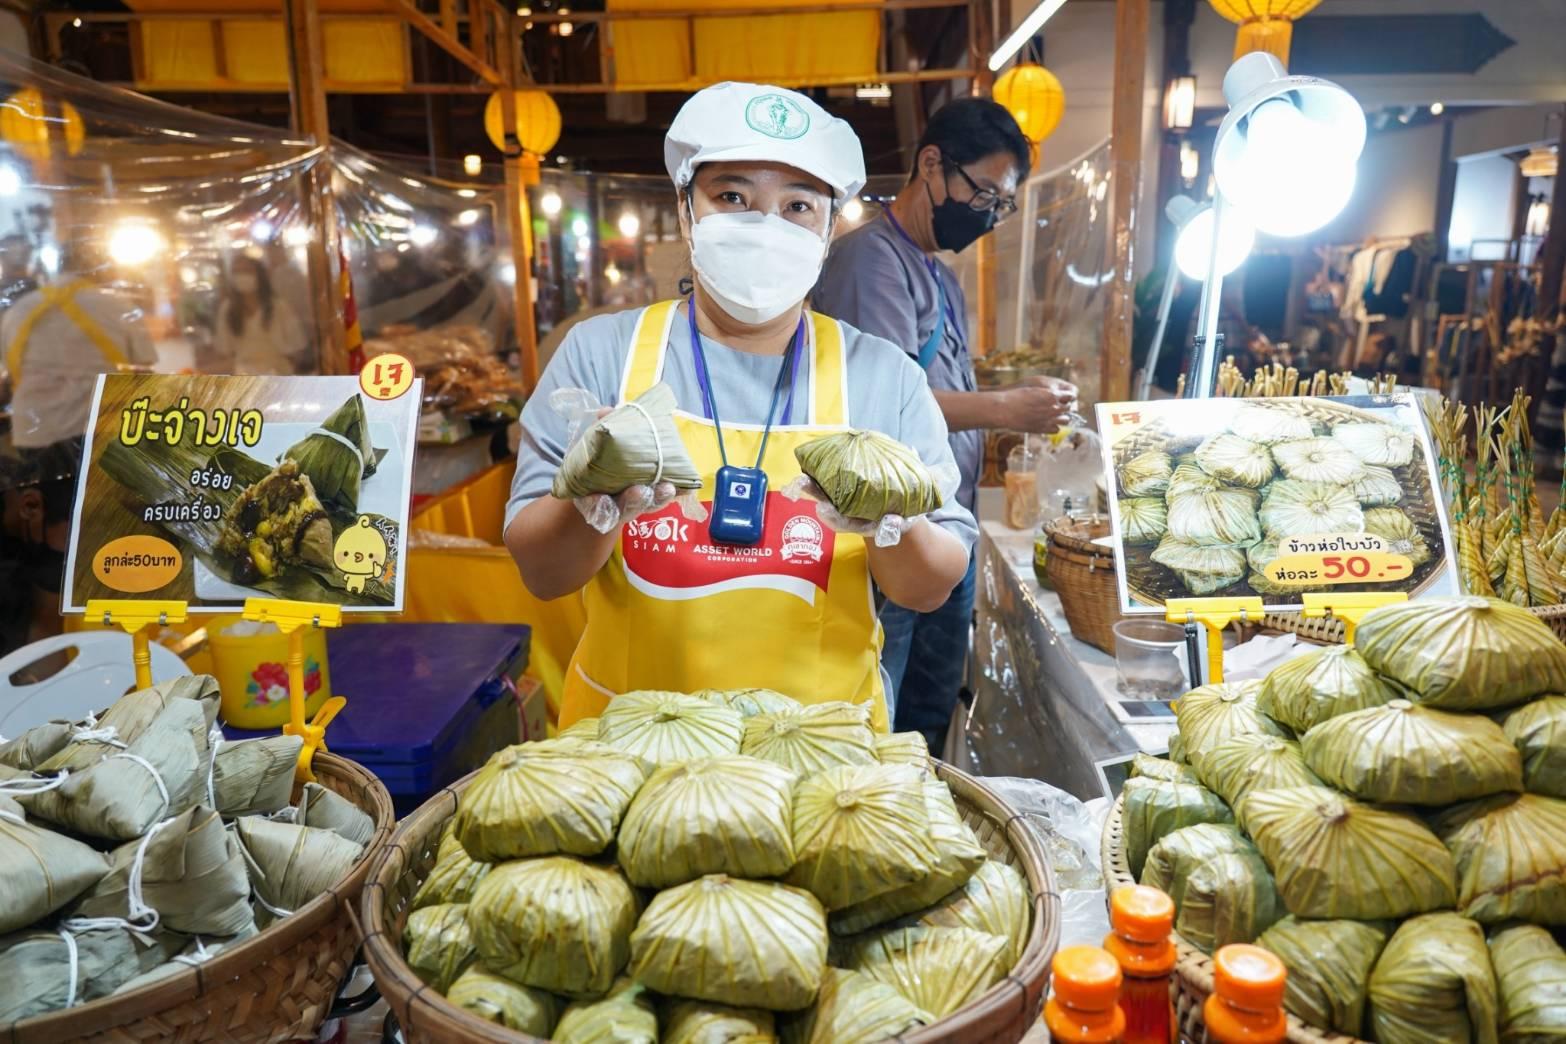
(307,99)
(1125,165)
(982,40)
(520,172)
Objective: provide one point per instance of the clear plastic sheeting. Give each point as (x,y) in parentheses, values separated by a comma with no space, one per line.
(139,235)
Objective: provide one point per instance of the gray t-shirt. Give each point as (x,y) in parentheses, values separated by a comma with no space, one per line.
(879,282)
(886,392)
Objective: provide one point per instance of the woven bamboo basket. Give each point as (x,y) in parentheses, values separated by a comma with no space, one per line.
(1083,574)
(1002,1016)
(277,986)
(1324,630)
(1194,972)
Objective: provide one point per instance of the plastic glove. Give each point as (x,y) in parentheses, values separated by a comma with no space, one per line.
(607,513)
(886,531)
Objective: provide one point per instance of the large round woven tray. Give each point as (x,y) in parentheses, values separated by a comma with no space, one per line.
(275,987)
(1194,972)
(1002,1016)
(1324,630)
(1151,584)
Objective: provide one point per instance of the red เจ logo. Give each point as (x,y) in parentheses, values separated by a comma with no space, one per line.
(667,556)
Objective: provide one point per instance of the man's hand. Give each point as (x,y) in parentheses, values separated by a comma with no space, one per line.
(1038,404)
(607,513)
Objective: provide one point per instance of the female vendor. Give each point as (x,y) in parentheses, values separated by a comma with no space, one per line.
(760,175)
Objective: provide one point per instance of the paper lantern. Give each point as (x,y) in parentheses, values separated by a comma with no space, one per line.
(25,124)
(1034,97)
(1265,25)
(538,121)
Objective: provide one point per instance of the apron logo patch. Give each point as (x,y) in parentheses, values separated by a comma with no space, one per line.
(802,536)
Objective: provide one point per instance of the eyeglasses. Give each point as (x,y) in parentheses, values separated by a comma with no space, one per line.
(983,199)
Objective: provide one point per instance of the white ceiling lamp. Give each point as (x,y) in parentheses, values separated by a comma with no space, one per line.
(1027,30)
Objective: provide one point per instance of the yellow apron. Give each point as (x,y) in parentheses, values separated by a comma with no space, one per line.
(672,610)
(63,298)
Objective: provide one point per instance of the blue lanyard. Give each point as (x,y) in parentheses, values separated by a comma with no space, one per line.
(943,300)
(789,370)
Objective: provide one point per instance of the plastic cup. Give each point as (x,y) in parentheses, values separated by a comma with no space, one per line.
(1150,660)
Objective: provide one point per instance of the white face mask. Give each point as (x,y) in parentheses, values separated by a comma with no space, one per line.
(756,266)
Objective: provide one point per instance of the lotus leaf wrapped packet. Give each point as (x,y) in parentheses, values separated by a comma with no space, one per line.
(1173,859)
(40,871)
(938,969)
(1249,762)
(1270,424)
(749,944)
(1538,731)
(1229,899)
(135,713)
(499,1000)
(1434,982)
(1329,964)
(1510,852)
(338,456)
(725,815)
(1210,714)
(328,810)
(1202,569)
(1188,478)
(552,796)
(291,864)
(1377,487)
(854,1007)
(1306,691)
(902,748)
(555,923)
(1334,857)
(1320,460)
(1295,509)
(439,944)
(1466,653)
(1146,474)
(191,871)
(665,727)
(1398,530)
(995,901)
(958,856)
(1143,520)
(1380,444)
(454,876)
(37,745)
(625,1016)
(1147,766)
(1530,969)
(1402,753)
(751,702)
(634,444)
(1236,460)
(861,831)
(253,776)
(1154,809)
(1222,518)
(40,972)
(868,475)
(698,1022)
(583,729)
(814,738)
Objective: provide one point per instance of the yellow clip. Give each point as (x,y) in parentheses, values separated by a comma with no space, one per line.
(1350,607)
(1214,614)
(292,618)
(136,616)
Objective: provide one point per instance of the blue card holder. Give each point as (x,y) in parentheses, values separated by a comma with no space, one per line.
(739,506)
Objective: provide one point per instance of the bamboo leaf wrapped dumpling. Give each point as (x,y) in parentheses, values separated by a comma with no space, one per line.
(291,864)
(255,776)
(1538,731)
(1376,487)
(37,745)
(625,1016)
(454,877)
(1402,753)
(338,455)
(1307,690)
(854,1007)
(40,870)
(1143,520)
(1329,964)
(1147,766)
(1146,474)
(868,475)
(498,999)
(1228,899)
(1335,857)
(995,900)
(1434,982)
(1202,570)
(1210,714)
(665,727)
(553,796)
(1510,852)
(749,944)
(439,944)
(1270,424)
(728,815)
(634,444)
(1380,444)
(1236,460)
(1224,517)
(133,714)
(1530,969)
(697,1022)
(328,810)
(861,831)
(1465,653)
(1241,764)
(1295,509)
(1154,809)
(810,739)
(1173,860)
(556,923)
(1321,460)
(938,969)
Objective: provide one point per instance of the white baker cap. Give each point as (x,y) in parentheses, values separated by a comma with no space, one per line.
(751,121)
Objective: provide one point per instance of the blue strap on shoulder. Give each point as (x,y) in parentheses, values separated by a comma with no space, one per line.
(932,343)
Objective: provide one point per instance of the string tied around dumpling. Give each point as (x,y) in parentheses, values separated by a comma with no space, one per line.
(157,777)
(329,434)
(258,874)
(214,741)
(195,960)
(75,968)
(657,442)
(36,785)
(12,817)
(91,732)
(142,918)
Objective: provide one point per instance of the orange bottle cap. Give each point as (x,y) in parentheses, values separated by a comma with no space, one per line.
(1086,978)
(1141,914)
(1249,977)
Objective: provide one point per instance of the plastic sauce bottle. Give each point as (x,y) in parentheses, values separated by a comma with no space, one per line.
(1142,919)
(1083,1009)
(1247,1002)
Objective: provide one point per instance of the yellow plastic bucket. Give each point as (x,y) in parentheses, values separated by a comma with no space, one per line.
(252,673)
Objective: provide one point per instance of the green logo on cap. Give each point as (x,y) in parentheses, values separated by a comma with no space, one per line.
(777,117)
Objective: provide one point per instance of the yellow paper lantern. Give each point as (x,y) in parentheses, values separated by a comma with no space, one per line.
(538,121)
(1265,25)
(1034,97)
(30,126)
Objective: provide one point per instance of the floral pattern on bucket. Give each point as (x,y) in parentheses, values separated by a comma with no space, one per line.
(269,683)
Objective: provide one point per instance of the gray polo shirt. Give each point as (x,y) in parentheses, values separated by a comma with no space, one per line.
(886,392)
(879,282)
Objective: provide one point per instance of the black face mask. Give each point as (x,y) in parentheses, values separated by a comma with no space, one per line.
(956,225)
